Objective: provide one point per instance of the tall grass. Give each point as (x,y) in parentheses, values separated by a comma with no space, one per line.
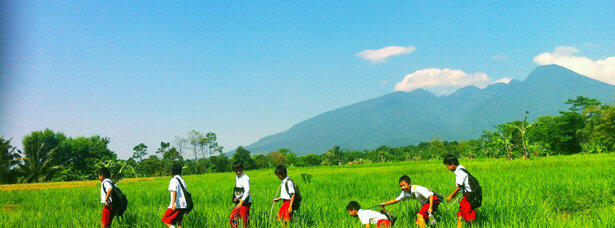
(571,191)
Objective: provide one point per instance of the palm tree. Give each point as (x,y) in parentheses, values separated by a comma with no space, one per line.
(8,160)
(38,165)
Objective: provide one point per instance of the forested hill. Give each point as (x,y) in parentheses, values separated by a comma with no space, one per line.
(403,118)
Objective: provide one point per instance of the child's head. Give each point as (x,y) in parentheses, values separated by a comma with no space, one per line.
(405,183)
(176,169)
(103,173)
(238,168)
(451,162)
(353,208)
(280,171)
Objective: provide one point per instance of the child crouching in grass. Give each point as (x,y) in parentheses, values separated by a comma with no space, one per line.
(368,217)
(427,198)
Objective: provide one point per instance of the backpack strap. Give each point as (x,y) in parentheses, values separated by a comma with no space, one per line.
(286,186)
(103,185)
(182,186)
(468,178)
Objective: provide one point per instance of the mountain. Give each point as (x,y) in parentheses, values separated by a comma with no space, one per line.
(403,118)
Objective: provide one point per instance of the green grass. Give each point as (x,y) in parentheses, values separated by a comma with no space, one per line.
(570,191)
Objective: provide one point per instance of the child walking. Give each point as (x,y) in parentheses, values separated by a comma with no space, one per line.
(177,208)
(462,183)
(106,186)
(287,195)
(241,197)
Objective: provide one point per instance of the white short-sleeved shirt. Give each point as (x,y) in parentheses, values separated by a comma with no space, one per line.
(369,216)
(243,181)
(105,185)
(180,198)
(287,182)
(461,179)
(419,193)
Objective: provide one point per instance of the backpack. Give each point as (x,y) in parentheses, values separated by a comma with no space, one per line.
(476,196)
(188,196)
(389,216)
(119,202)
(297,201)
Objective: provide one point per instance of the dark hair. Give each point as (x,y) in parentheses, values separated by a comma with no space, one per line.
(451,160)
(353,205)
(405,178)
(104,172)
(176,169)
(237,165)
(280,169)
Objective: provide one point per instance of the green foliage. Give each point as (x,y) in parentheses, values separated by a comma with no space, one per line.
(243,155)
(139,152)
(8,162)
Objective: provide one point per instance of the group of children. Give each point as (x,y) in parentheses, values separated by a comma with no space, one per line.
(429,199)
(291,198)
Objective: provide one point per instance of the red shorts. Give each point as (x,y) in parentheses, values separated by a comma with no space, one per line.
(465,210)
(382,223)
(243,212)
(424,210)
(173,217)
(283,212)
(107,216)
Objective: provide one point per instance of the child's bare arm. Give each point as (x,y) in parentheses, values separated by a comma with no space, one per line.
(450,197)
(367,225)
(174,194)
(290,205)
(107,196)
(393,201)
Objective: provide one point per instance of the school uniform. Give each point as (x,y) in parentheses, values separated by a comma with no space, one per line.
(283,214)
(373,217)
(465,209)
(242,192)
(421,195)
(107,215)
(176,216)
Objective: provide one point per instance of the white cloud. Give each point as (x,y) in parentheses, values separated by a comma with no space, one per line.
(441,81)
(381,55)
(503,80)
(499,57)
(602,70)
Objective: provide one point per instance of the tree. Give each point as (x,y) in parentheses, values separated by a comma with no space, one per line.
(261,161)
(277,158)
(243,155)
(79,154)
(39,160)
(219,163)
(332,156)
(311,159)
(8,161)
(582,103)
(139,152)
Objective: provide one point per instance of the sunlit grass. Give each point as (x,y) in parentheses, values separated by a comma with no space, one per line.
(572,191)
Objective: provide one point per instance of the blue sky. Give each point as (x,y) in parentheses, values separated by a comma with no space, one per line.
(146,72)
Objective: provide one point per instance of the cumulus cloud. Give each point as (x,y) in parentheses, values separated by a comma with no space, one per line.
(381,55)
(499,57)
(441,81)
(503,80)
(602,69)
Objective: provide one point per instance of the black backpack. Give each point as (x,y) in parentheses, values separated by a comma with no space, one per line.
(188,196)
(297,201)
(476,196)
(119,202)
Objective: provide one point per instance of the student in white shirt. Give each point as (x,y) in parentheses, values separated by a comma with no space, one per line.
(106,186)
(241,197)
(287,195)
(368,217)
(466,212)
(177,208)
(427,198)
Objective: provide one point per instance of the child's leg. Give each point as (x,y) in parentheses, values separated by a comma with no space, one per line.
(234,218)
(244,212)
(459,222)
(420,221)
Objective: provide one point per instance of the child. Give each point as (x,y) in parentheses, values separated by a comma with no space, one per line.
(287,195)
(368,217)
(424,196)
(106,186)
(177,208)
(466,212)
(241,197)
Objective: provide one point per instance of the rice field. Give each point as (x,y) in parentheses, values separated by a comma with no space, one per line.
(569,191)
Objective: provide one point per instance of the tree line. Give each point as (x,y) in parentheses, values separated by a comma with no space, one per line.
(586,127)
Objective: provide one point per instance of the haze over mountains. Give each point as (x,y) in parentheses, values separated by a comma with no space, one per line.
(403,118)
